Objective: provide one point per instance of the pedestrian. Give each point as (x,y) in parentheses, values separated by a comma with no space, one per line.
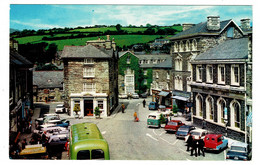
(201,147)
(44,138)
(144,102)
(123,108)
(166,120)
(67,146)
(24,143)
(189,142)
(135,116)
(194,146)
(204,124)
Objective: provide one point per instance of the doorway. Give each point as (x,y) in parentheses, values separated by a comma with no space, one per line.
(88,107)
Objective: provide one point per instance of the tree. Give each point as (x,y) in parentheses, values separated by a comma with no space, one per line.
(97,112)
(118,27)
(76,109)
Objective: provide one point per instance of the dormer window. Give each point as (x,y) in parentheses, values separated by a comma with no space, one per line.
(88,61)
(230,32)
(128,60)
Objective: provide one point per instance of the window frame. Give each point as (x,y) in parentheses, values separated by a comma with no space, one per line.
(199,73)
(233,76)
(85,87)
(87,73)
(88,62)
(209,77)
(220,76)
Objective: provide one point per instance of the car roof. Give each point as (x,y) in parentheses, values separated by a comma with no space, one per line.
(240,144)
(199,130)
(174,120)
(155,113)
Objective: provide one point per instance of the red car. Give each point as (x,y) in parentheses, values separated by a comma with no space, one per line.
(173,125)
(215,142)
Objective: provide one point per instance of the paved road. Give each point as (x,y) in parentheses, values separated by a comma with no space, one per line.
(129,140)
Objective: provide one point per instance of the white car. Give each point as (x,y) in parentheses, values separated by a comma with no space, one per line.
(60,108)
(123,96)
(196,133)
(135,96)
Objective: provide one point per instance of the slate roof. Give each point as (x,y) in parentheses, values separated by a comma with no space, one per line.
(86,51)
(16,58)
(228,50)
(48,79)
(200,29)
(165,64)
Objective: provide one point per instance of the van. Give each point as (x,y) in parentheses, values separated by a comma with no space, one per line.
(215,142)
(153,106)
(153,119)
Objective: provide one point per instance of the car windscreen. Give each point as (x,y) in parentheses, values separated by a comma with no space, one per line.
(172,123)
(59,106)
(97,154)
(83,155)
(238,148)
(195,133)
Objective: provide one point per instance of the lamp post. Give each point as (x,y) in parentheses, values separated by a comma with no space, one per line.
(225,120)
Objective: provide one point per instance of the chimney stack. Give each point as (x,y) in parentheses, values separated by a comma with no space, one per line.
(213,23)
(108,43)
(186,26)
(245,23)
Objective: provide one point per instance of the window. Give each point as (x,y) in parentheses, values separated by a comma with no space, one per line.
(175,47)
(188,65)
(178,83)
(128,70)
(88,72)
(100,104)
(168,75)
(194,45)
(128,60)
(187,45)
(83,155)
(237,115)
(199,105)
(181,47)
(97,154)
(178,63)
(155,61)
(235,75)
(88,61)
(129,79)
(145,72)
(145,81)
(209,108)
(89,87)
(221,106)
(199,73)
(230,32)
(209,74)
(221,74)
(188,79)
(156,75)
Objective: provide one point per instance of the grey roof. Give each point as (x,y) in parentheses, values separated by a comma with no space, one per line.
(48,79)
(201,28)
(86,51)
(229,49)
(166,64)
(16,58)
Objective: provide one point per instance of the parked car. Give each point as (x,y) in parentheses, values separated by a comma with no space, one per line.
(47,117)
(238,151)
(40,128)
(57,143)
(60,108)
(164,110)
(123,96)
(153,106)
(153,120)
(54,131)
(135,96)
(184,131)
(196,133)
(173,125)
(144,95)
(60,123)
(215,142)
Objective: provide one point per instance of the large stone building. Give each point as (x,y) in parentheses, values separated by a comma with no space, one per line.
(91,77)
(222,87)
(196,39)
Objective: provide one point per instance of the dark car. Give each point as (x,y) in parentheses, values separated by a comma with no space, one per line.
(153,106)
(57,141)
(184,131)
(173,125)
(238,151)
(144,95)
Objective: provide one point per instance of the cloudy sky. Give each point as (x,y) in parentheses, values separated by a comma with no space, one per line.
(35,16)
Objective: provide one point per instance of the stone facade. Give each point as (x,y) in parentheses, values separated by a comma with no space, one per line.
(91,78)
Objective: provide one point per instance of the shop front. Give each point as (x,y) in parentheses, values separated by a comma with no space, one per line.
(182,100)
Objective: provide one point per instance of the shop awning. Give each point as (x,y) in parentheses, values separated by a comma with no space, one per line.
(163,93)
(180,98)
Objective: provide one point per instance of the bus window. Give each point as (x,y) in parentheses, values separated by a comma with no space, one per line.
(97,154)
(83,155)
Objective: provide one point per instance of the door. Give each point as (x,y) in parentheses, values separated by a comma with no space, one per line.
(88,108)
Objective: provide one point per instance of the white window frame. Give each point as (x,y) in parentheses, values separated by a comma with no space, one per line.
(175,47)
(187,48)
(145,72)
(156,75)
(128,60)
(199,73)
(89,87)
(209,74)
(178,63)
(188,80)
(129,77)
(88,61)
(88,72)
(99,102)
(220,81)
(194,45)
(168,75)
(233,77)
(181,47)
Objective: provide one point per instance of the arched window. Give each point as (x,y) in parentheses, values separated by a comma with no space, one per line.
(209,108)
(221,106)
(181,47)
(188,79)
(194,45)
(199,106)
(175,47)
(178,63)
(187,48)
(235,114)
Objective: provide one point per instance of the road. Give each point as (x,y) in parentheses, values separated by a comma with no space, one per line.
(129,140)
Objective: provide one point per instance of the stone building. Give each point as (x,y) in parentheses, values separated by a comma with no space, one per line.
(91,77)
(222,87)
(196,39)
(161,86)
(20,91)
(48,86)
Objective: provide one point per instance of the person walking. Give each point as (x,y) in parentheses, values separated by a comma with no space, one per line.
(194,146)
(201,147)
(189,142)
(144,102)
(123,108)
(135,116)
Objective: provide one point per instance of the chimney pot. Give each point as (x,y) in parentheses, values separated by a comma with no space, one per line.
(213,23)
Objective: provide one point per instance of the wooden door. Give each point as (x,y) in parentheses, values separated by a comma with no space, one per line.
(88,108)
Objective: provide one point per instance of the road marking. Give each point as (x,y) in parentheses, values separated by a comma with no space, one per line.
(184,151)
(151,137)
(154,132)
(161,133)
(104,132)
(169,142)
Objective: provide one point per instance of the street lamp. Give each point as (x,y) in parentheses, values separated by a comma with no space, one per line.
(225,120)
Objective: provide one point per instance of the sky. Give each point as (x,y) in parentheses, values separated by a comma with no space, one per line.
(47,16)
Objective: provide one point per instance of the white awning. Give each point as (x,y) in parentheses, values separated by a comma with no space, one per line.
(180,98)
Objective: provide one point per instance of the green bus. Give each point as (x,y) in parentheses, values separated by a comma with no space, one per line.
(87,143)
